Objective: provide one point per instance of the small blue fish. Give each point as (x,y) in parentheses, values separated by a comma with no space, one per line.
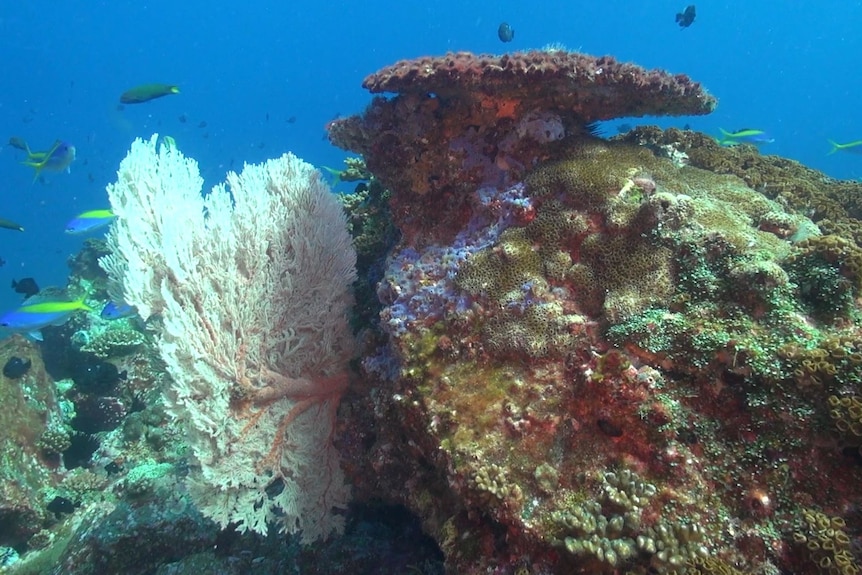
(89,221)
(115,310)
(37,313)
(744,136)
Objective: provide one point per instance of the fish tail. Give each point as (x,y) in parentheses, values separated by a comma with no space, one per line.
(37,168)
(725,133)
(80,304)
(835,147)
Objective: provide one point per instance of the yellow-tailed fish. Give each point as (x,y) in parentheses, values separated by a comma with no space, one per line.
(744,136)
(56,159)
(852,147)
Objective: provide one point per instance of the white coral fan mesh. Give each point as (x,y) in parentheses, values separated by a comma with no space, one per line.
(253,283)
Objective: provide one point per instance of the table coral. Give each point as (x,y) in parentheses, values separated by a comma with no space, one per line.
(461,121)
(591,356)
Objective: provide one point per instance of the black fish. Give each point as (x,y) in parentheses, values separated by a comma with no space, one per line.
(60,505)
(686,17)
(16,367)
(505,32)
(26,287)
(96,376)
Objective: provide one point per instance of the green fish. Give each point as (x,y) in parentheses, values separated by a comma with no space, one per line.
(10,225)
(147,92)
(852,147)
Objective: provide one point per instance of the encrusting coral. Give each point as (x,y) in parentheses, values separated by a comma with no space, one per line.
(589,352)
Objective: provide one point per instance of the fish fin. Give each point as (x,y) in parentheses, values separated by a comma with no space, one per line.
(40,165)
(35,335)
(835,147)
(37,168)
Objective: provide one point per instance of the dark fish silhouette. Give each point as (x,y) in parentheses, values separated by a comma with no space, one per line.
(686,17)
(16,367)
(147,92)
(10,225)
(60,505)
(26,287)
(505,32)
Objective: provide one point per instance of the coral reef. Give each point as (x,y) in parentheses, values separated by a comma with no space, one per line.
(598,356)
(29,405)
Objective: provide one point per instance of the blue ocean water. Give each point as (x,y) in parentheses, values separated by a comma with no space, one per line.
(262,78)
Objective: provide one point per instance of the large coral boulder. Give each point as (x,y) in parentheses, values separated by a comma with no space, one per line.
(611,361)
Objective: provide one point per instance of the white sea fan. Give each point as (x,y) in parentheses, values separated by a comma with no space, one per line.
(253,285)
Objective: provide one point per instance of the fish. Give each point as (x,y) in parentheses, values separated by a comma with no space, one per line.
(10,225)
(26,287)
(60,505)
(852,147)
(686,17)
(36,313)
(89,221)
(56,159)
(744,136)
(505,32)
(117,310)
(16,367)
(168,142)
(147,92)
(19,143)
